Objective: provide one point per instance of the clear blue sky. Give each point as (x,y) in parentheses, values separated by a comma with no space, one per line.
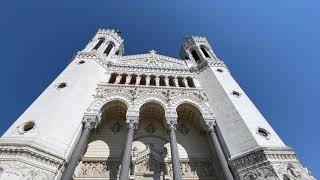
(270,46)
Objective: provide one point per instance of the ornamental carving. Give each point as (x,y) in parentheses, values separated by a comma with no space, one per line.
(270,163)
(116,127)
(150,128)
(98,169)
(19,170)
(31,155)
(260,174)
(195,169)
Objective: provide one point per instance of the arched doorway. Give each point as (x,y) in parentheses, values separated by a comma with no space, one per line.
(196,159)
(102,157)
(150,144)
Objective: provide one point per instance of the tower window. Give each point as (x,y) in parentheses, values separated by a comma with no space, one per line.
(61,85)
(205,52)
(236,93)
(96,47)
(263,132)
(220,70)
(25,127)
(195,55)
(108,49)
(81,62)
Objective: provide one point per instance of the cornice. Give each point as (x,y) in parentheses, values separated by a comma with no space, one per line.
(30,154)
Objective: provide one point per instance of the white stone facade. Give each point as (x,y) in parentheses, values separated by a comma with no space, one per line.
(157,91)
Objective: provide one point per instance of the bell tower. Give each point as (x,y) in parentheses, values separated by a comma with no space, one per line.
(197,49)
(244,133)
(106,42)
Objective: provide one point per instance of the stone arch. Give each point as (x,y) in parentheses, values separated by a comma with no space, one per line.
(205,50)
(98,42)
(150,97)
(96,107)
(190,99)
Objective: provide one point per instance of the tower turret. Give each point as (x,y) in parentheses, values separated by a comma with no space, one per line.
(197,49)
(106,42)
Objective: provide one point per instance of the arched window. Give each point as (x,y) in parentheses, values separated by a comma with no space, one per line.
(133,79)
(96,47)
(143,80)
(152,80)
(113,78)
(171,83)
(180,82)
(108,49)
(195,55)
(117,53)
(161,81)
(190,82)
(123,78)
(205,52)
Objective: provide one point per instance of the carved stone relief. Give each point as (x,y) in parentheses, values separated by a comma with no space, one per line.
(195,169)
(97,169)
(272,164)
(15,170)
(116,127)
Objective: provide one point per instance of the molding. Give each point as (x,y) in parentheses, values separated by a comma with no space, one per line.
(30,155)
(269,163)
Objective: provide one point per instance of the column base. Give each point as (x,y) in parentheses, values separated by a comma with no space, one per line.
(271,164)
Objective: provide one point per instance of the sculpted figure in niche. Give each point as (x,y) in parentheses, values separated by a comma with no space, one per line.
(149,128)
(116,127)
(295,173)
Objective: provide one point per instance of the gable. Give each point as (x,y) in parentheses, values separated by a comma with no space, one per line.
(151,60)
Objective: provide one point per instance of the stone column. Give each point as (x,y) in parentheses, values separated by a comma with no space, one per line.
(176,83)
(185,82)
(90,121)
(128,79)
(147,80)
(157,81)
(132,123)
(218,150)
(166,80)
(118,79)
(138,80)
(171,123)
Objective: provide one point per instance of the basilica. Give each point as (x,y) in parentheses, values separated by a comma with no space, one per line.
(145,117)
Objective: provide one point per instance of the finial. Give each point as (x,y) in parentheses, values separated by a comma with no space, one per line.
(152,52)
(118,31)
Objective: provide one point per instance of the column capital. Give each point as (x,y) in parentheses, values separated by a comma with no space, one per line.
(90,121)
(132,121)
(210,125)
(171,122)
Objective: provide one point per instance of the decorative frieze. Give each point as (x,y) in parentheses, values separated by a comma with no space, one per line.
(19,161)
(30,154)
(270,163)
(97,169)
